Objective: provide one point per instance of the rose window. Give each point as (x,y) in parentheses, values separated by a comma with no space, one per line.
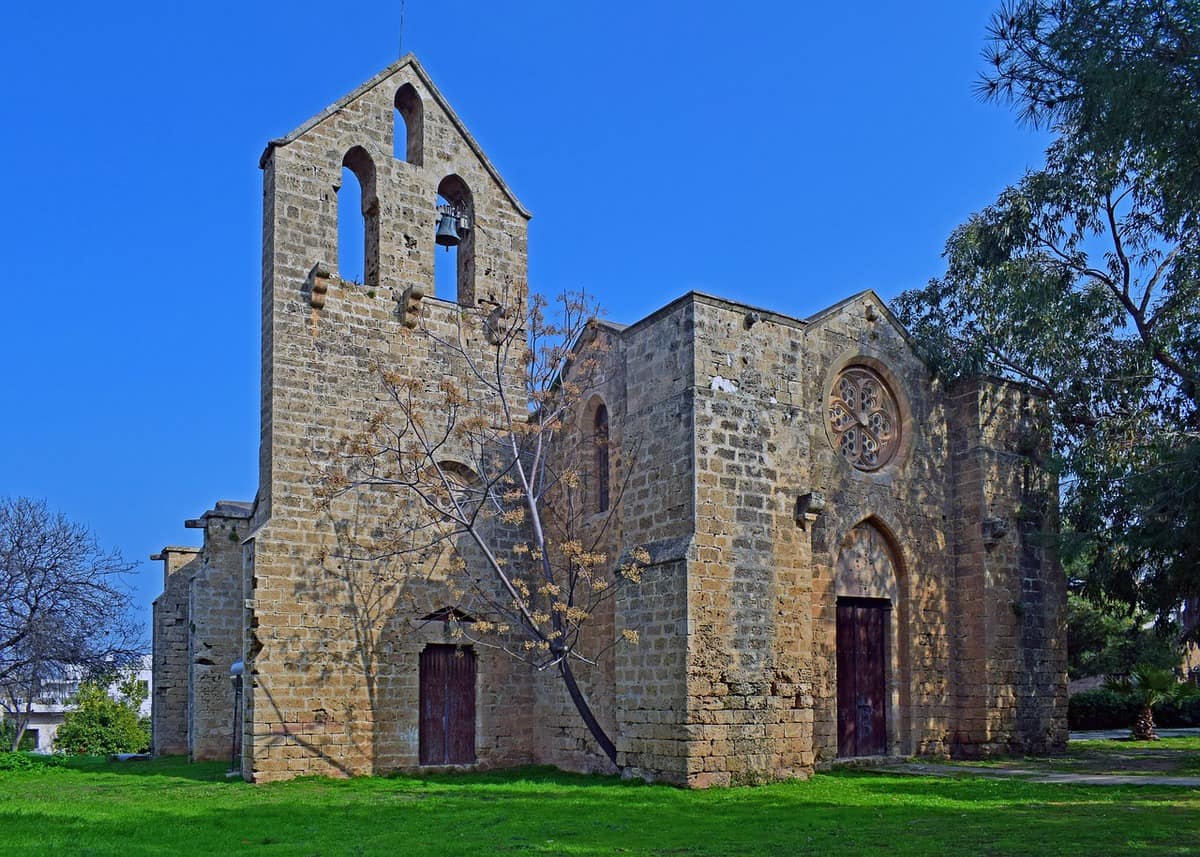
(864,418)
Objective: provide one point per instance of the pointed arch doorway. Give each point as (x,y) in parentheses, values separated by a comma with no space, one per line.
(866,590)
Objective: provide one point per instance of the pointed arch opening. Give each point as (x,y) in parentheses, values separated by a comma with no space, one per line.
(455,231)
(600,457)
(409,126)
(456,488)
(872,698)
(358,219)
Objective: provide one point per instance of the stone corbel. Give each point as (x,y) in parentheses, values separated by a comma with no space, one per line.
(493,327)
(410,304)
(318,284)
(993,530)
(808,507)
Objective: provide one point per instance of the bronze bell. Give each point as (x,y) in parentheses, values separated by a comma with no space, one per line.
(447,231)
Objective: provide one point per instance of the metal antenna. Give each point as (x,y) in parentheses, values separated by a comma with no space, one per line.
(401,27)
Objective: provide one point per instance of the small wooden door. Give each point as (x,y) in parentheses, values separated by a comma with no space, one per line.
(447,733)
(861,625)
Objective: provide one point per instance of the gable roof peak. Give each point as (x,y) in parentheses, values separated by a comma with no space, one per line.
(409,60)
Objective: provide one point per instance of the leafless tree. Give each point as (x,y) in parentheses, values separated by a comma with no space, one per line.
(482,467)
(64,612)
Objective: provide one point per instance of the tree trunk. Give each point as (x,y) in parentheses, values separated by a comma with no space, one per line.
(585,711)
(1143,727)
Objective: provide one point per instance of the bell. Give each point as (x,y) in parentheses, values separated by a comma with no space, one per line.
(447,231)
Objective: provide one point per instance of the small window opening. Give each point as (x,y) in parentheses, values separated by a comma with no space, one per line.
(600,442)
(358,219)
(409,126)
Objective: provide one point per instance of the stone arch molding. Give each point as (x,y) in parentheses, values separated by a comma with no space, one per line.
(867,566)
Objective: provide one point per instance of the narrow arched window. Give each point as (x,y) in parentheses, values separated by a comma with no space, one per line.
(351,229)
(358,219)
(454,228)
(409,128)
(600,446)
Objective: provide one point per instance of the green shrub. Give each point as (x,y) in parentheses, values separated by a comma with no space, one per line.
(101,725)
(25,762)
(1176,713)
(1101,708)
(1104,708)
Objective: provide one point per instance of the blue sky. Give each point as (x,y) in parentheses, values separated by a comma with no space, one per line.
(783,154)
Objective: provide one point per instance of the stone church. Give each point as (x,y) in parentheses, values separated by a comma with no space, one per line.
(847,556)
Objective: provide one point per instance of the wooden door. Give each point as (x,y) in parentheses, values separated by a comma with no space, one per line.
(447,700)
(861,625)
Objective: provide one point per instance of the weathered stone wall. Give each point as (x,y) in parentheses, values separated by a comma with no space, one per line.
(1011,604)
(657,513)
(333,640)
(215,641)
(169,700)
(906,502)
(749,588)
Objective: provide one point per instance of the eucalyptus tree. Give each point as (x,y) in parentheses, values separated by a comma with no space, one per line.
(1082,280)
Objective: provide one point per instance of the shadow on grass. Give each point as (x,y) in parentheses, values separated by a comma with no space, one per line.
(542,810)
(174,767)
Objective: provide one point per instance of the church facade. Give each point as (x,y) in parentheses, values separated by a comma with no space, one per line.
(847,556)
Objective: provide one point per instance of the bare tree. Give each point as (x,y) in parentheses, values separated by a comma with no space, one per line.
(482,467)
(64,613)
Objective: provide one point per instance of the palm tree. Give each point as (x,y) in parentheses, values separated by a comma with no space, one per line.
(1148,686)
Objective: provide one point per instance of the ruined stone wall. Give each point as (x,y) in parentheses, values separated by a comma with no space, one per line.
(169,700)
(1011,608)
(334,635)
(215,639)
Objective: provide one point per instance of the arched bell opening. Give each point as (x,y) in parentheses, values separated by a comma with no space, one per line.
(358,219)
(408,128)
(454,236)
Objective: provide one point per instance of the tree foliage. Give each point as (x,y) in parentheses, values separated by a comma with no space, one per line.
(63,609)
(481,479)
(1083,280)
(1105,640)
(102,723)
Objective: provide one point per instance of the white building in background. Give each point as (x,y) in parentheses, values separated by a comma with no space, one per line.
(51,707)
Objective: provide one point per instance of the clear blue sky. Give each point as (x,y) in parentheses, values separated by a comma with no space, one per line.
(783,154)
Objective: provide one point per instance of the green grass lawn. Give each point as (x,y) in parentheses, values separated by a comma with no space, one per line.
(166,806)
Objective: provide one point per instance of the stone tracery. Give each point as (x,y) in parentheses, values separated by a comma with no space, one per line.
(864,418)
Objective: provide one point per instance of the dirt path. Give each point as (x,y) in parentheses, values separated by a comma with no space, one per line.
(1092,758)
(1035,776)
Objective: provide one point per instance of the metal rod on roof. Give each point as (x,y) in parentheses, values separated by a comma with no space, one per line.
(401,27)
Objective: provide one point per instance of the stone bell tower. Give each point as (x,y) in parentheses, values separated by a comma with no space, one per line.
(323,338)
